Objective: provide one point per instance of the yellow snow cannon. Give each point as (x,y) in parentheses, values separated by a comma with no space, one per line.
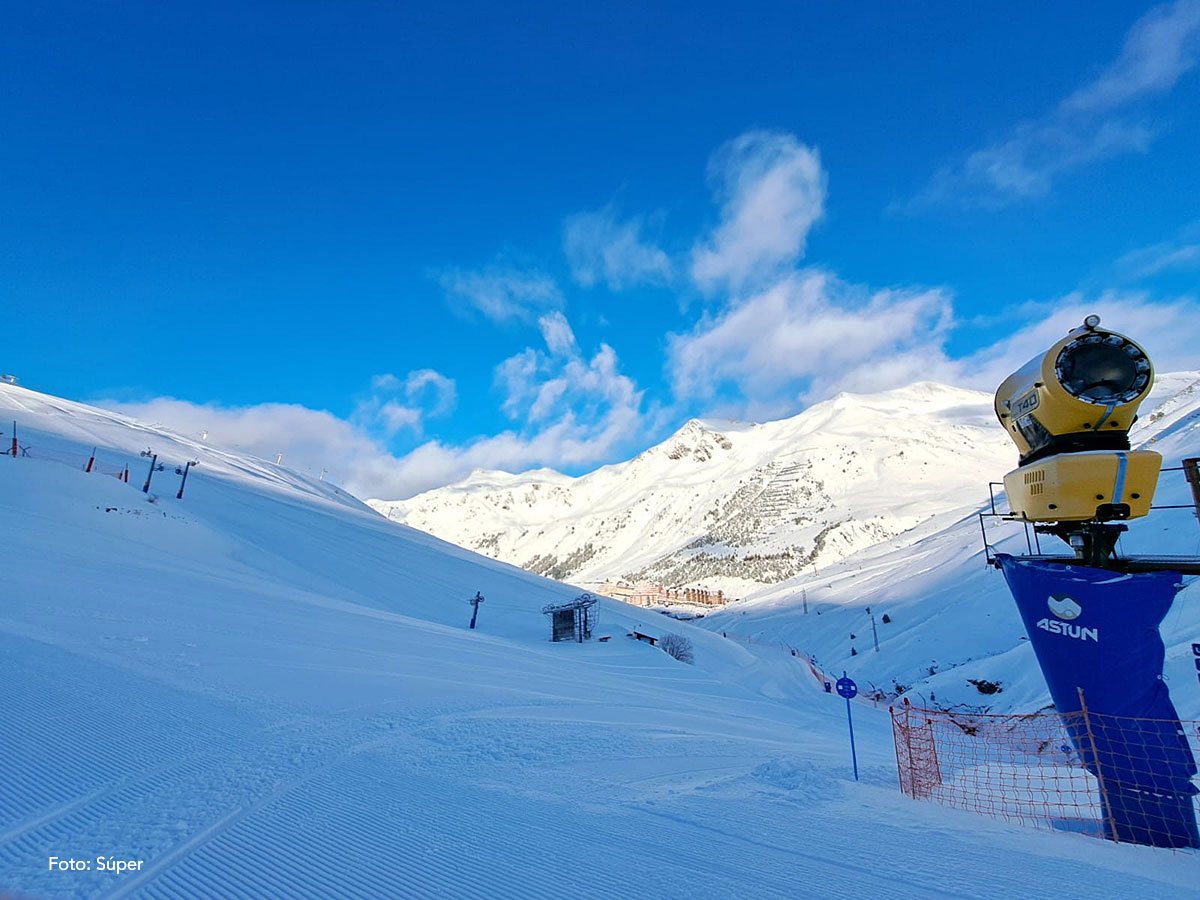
(1069,411)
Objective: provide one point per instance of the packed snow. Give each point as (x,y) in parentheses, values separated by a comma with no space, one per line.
(265,689)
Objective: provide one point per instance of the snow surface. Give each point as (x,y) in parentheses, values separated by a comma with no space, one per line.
(267,690)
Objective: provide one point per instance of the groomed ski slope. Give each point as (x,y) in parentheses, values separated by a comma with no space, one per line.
(267,690)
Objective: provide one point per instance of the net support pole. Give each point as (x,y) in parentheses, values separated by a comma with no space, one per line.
(896,747)
(907,768)
(908,746)
(1087,726)
(853,751)
(1191,470)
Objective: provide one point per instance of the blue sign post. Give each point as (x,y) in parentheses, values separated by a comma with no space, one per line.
(848,689)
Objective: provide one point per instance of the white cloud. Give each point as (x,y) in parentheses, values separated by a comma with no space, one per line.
(396,417)
(1180,253)
(395,404)
(566,443)
(1086,126)
(1160,47)
(557,333)
(601,248)
(590,410)
(572,410)
(1166,328)
(807,336)
(310,439)
(772,190)
(421,382)
(563,386)
(1186,256)
(502,293)
(516,377)
(1027,164)
(810,335)
(549,395)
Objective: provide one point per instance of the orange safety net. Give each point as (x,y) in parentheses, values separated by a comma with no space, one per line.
(1080,772)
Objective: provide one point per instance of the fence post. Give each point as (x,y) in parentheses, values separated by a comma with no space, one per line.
(14,446)
(897,731)
(912,759)
(91,460)
(935,763)
(923,769)
(896,745)
(1087,725)
(1191,470)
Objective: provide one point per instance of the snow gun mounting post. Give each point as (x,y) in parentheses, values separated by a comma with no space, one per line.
(475,601)
(155,466)
(183,470)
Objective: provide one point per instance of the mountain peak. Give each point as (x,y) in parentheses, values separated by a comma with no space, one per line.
(697,440)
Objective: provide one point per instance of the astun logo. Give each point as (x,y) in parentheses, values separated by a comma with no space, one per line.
(1063,606)
(1072,631)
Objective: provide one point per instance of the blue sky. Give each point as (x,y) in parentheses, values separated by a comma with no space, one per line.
(402,242)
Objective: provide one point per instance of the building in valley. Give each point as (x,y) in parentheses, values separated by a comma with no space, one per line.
(648,593)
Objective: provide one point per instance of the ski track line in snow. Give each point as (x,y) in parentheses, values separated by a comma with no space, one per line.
(51,769)
(332,837)
(295,825)
(207,781)
(216,830)
(166,861)
(14,835)
(178,775)
(889,879)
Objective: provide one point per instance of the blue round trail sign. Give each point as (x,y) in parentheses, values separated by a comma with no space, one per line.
(847,688)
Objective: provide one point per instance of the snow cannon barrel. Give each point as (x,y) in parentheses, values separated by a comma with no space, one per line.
(1069,411)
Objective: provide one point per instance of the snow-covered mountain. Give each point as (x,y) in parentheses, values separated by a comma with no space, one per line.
(734,505)
(952,625)
(862,502)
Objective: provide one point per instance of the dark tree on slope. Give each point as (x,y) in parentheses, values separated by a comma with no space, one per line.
(678,646)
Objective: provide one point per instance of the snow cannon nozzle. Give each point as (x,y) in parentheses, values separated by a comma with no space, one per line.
(1069,411)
